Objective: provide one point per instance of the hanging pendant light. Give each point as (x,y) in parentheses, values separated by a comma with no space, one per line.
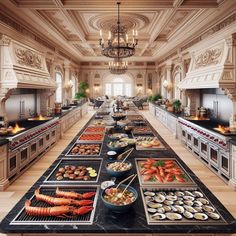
(118,66)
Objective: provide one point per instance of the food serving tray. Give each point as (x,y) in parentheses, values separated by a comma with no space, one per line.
(149,138)
(149,194)
(95,129)
(23,219)
(137,130)
(91,137)
(135,117)
(167,181)
(94,163)
(69,154)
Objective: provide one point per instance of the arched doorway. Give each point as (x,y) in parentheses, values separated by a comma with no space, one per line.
(115,85)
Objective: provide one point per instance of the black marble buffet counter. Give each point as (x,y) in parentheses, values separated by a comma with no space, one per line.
(133,221)
(3,141)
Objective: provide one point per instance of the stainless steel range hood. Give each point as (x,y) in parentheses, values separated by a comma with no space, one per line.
(211,66)
(23,67)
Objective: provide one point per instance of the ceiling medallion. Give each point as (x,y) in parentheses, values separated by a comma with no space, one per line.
(118,66)
(118,44)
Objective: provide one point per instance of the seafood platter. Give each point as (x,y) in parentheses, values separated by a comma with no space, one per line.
(148,143)
(143,130)
(91,137)
(162,172)
(94,129)
(85,149)
(179,206)
(75,171)
(53,205)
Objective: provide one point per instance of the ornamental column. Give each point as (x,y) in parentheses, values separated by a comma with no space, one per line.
(66,88)
(169,87)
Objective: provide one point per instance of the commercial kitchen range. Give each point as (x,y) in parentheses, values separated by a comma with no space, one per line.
(139,220)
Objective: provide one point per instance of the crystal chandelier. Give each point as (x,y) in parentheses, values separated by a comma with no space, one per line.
(118,66)
(118,44)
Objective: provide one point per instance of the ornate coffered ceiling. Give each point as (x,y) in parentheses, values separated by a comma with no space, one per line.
(73,25)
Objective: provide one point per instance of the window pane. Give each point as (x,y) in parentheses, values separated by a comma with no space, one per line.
(128,90)
(118,89)
(108,89)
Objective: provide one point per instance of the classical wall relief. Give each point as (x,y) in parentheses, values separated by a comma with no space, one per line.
(209,57)
(28,58)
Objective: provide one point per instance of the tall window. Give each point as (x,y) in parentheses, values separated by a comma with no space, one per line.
(108,89)
(128,90)
(59,87)
(115,89)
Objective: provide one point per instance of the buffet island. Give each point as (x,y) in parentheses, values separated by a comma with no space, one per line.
(81,192)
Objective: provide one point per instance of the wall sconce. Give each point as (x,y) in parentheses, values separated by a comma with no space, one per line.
(96,87)
(69,85)
(87,90)
(167,85)
(149,91)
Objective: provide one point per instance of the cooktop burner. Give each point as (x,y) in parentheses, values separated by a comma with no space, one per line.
(214,126)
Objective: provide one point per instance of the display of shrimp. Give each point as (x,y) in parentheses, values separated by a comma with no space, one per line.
(61,201)
(74,195)
(58,211)
(162,171)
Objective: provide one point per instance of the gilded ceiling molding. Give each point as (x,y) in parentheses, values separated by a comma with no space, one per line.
(229,20)
(131,21)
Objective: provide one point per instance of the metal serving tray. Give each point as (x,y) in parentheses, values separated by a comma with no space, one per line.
(94,163)
(91,141)
(165,183)
(147,132)
(184,220)
(78,155)
(23,219)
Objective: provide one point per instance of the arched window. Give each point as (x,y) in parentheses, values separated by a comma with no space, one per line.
(59,87)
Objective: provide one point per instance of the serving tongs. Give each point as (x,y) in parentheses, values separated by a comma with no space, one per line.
(128,152)
(124,180)
(119,195)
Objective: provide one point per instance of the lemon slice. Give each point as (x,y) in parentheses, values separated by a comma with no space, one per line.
(93,174)
(89,168)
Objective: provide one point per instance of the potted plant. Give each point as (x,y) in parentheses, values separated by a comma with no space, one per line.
(177,106)
(81,94)
(154,98)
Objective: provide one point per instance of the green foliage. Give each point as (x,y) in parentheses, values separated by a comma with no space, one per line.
(82,91)
(176,104)
(154,98)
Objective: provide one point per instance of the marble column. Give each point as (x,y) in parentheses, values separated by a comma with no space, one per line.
(169,89)
(66,96)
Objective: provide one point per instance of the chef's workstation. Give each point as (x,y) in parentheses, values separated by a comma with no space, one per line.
(207,124)
(30,123)
(118,176)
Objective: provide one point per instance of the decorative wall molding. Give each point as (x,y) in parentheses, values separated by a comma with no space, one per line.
(28,58)
(208,57)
